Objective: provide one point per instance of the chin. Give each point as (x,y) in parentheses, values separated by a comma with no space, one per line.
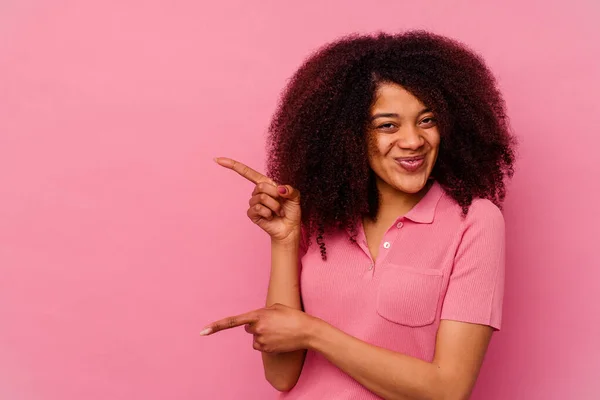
(411,184)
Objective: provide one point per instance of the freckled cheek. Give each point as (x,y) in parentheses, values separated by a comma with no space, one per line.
(379,146)
(372,148)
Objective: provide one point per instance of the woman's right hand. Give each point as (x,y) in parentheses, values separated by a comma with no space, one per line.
(274,208)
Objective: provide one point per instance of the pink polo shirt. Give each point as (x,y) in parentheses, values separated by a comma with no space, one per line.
(433,264)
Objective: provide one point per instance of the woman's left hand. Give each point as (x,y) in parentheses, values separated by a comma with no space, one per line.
(276,329)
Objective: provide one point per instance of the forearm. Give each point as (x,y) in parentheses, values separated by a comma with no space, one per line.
(284,285)
(389,374)
(282,370)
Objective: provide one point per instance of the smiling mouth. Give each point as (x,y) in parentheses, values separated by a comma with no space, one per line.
(411,164)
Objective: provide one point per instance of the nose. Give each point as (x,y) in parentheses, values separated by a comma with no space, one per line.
(410,138)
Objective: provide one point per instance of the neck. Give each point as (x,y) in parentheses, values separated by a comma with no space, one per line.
(394,203)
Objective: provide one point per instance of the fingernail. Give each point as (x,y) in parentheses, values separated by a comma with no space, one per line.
(282,189)
(205,332)
(215,160)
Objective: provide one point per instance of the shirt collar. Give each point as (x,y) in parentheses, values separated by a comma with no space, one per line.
(424,210)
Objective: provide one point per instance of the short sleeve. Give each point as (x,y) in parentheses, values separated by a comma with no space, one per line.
(476,284)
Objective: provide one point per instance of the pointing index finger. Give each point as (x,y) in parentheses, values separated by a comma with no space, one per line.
(244,170)
(230,322)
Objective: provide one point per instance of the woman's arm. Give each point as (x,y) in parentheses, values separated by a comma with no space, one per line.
(460,348)
(282,370)
(276,210)
(282,331)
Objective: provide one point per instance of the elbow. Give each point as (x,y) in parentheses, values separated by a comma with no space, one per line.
(282,385)
(282,370)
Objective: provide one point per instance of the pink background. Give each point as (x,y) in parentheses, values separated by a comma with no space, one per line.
(120,239)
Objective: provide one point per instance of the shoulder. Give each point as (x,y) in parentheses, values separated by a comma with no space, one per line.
(484,209)
(484,222)
(480,212)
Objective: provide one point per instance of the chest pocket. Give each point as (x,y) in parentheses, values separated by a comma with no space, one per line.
(409,296)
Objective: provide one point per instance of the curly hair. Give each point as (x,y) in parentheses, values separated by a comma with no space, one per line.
(317,139)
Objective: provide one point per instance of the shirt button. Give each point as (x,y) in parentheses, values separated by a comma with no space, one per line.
(386,245)
(370,267)
(400,224)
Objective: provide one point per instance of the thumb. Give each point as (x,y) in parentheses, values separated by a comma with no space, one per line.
(288,192)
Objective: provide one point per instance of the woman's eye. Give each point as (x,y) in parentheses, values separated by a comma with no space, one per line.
(429,121)
(386,126)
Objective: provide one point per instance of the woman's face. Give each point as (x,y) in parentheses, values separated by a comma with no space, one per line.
(403,139)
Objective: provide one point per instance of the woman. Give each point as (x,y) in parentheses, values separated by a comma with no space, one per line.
(387,274)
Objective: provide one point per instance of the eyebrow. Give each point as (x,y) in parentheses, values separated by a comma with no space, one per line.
(395,115)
